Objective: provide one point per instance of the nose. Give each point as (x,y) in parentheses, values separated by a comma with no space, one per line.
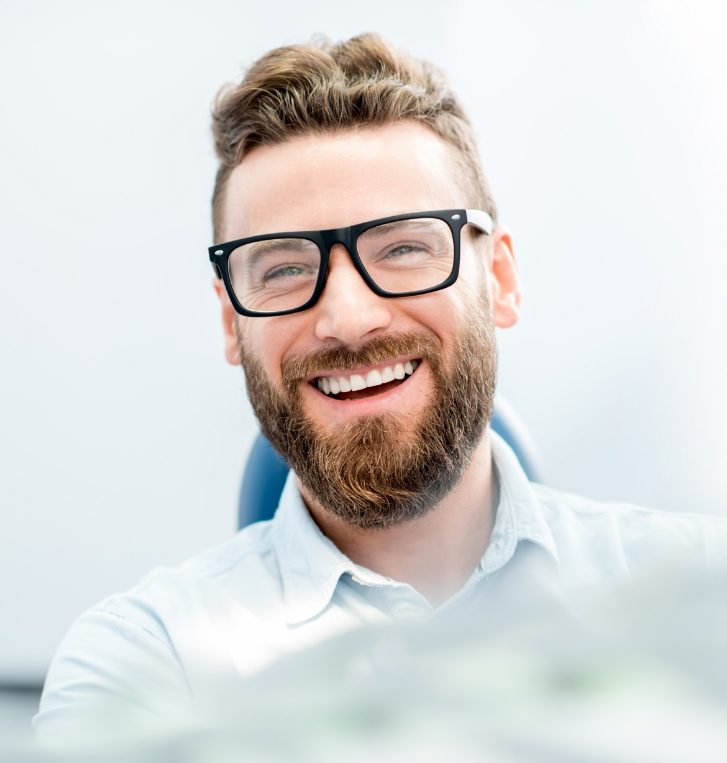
(348,311)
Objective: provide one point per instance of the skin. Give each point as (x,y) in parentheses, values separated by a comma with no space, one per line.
(317,182)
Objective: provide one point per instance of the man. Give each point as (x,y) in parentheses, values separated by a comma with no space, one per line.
(362,276)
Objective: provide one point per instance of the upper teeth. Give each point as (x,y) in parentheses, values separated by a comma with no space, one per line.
(332,385)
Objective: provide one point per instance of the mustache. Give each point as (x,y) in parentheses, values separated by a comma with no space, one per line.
(376,350)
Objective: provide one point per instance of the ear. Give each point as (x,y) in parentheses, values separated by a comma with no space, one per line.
(229,318)
(505,294)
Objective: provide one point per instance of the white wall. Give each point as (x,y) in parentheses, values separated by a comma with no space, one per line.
(123,431)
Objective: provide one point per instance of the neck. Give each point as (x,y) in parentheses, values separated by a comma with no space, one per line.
(435,553)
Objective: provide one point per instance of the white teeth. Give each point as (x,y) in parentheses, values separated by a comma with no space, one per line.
(373,379)
(332,385)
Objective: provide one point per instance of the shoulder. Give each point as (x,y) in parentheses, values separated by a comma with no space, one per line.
(628,536)
(243,569)
(137,649)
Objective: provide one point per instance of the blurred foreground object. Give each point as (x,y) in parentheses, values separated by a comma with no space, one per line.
(634,673)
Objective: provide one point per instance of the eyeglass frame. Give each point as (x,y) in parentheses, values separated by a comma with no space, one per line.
(455,219)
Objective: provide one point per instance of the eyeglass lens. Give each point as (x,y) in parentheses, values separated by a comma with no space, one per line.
(403,256)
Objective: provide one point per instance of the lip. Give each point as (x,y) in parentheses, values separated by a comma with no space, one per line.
(362,370)
(404,398)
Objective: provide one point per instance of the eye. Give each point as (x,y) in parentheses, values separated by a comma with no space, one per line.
(403,249)
(286,272)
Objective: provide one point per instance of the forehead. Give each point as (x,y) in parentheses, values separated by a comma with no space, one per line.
(329,181)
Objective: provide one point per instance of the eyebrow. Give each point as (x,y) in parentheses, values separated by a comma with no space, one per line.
(386,228)
(267,245)
(255,251)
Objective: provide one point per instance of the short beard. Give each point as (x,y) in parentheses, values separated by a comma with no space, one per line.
(373,472)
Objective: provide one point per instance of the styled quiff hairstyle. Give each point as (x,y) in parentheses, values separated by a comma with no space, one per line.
(328,87)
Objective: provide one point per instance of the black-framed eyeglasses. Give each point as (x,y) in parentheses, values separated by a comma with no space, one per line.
(399,256)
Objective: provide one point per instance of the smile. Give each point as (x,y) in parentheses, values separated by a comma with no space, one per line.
(351,386)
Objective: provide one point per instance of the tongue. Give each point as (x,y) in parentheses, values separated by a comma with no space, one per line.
(369,391)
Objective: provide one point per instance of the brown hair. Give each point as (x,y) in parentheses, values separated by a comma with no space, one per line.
(325,87)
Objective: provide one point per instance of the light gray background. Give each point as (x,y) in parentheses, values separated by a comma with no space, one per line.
(123,431)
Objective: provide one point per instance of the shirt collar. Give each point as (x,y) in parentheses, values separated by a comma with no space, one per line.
(311,565)
(519,514)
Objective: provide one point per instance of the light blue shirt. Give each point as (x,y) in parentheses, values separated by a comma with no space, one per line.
(280,586)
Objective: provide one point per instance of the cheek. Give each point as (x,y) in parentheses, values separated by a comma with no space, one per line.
(270,341)
(443,314)
(454,312)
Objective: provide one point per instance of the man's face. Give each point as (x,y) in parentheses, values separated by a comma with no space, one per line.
(387,453)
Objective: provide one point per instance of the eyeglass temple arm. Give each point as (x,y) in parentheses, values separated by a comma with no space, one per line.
(481,220)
